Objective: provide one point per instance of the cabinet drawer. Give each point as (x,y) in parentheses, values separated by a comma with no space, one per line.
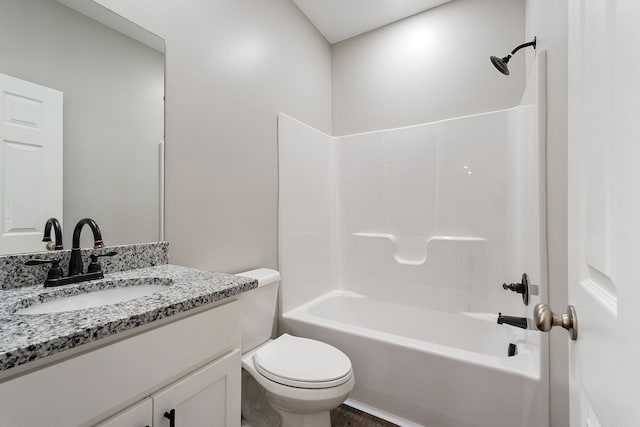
(86,388)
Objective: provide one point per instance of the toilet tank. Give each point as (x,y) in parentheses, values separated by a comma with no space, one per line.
(258,308)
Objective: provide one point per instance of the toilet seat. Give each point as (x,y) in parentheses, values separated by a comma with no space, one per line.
(302,363)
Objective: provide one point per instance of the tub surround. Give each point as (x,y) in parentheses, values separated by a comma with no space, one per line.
(28,337)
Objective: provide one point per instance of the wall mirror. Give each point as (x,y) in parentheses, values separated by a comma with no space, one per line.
(82,124)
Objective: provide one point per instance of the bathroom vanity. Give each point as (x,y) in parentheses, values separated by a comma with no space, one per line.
(140,362)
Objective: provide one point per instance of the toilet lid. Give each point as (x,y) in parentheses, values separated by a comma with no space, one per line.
(303,363)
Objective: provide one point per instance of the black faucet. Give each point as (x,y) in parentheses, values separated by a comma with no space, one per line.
(55,276)
(57,229)
(75,264)
(518,322)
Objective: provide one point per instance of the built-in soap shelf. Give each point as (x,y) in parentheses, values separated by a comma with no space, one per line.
(411,249)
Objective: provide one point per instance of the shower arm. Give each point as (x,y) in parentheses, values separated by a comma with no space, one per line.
(523,45)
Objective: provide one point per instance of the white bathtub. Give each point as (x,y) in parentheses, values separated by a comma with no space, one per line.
(416,366)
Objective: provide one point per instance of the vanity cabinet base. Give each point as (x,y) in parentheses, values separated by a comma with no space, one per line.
(86,389)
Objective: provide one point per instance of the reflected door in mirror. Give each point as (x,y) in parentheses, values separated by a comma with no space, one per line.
(30,162)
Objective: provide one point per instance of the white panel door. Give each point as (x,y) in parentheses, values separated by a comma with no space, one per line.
(604,211)
(30,163)
(209,397)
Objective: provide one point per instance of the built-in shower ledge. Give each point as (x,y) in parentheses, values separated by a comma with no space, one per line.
(412,249)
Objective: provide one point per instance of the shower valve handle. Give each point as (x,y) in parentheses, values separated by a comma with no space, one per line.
(520,288)
(515,287)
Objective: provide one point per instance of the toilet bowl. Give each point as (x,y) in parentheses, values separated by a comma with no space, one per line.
(287,381)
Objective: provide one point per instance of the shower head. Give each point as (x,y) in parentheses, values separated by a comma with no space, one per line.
(501,63)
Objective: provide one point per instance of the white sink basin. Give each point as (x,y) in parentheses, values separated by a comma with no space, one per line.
(93,299)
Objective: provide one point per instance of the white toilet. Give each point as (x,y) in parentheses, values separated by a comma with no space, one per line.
(287,381)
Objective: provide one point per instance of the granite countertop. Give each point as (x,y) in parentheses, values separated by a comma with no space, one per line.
(27,337)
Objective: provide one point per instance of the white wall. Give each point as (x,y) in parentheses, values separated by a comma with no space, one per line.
(429,67)
(548,20)
(231,66)
(113,113)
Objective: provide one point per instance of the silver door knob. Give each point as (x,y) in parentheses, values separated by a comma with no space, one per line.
(545,319)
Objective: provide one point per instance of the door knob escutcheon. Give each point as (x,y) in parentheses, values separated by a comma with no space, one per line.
(545,319)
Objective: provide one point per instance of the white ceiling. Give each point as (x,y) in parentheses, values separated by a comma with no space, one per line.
(339,20)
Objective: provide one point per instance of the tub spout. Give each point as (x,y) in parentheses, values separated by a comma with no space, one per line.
(518,322)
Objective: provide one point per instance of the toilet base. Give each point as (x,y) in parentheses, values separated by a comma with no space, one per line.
(319,419)
(258,411)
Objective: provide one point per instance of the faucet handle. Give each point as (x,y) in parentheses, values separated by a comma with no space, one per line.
(94,265)
(55,272)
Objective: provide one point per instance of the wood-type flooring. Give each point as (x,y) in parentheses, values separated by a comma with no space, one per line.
(346,416)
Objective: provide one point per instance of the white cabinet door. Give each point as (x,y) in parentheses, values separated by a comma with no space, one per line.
(209,397)
(138,415)
(30,163)
(604,211)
